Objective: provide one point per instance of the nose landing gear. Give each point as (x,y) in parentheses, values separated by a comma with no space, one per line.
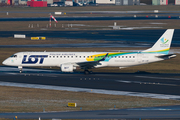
(20,69)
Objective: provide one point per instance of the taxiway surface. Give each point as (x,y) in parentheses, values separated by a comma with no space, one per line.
(115,38)
(164,86)
(137,113)
(92,18)
(134,84)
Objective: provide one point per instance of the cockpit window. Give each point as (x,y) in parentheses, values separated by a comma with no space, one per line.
(14,56)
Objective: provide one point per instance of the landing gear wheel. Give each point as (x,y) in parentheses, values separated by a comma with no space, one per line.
(20,71)
(86,72)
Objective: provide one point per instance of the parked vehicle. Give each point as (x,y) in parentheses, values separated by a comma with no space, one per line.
(81,4)
(53,5)
(93,4)
(68,3)
(60,4)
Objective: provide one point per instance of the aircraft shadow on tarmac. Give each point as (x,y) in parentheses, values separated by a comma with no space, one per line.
(8,69)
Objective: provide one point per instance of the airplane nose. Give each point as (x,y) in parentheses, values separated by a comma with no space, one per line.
(4,62)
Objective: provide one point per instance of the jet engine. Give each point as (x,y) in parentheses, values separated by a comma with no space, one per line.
(67,68)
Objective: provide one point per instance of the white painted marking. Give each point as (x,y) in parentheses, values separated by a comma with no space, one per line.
(123,81)
(19,36)
(140,82)
(57,13)
(158,77)
(100,91)
(150,109)
(157,23)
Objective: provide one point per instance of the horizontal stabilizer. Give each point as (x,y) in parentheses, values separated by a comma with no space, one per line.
(167,56)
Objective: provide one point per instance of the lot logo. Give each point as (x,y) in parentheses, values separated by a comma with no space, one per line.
(164,41)
(33,59)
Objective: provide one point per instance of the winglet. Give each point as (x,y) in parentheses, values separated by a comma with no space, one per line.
(104,57)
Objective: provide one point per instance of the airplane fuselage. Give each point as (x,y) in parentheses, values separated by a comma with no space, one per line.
(50,59)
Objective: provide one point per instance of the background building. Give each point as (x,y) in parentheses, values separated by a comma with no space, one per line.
(23,1)
(177,2)
(119,2)
(33,3)
(155,2)
(84,1)
(163,2)
(105,1)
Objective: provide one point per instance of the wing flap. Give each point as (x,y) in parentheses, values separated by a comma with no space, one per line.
(88,65)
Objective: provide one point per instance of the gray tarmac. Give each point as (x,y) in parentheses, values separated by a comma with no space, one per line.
(144,113)
(115,38)
(164,86)
(78,45)
(131,83)
(101,12)
(168,16)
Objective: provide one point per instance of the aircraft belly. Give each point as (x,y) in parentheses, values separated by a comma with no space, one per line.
(122,63)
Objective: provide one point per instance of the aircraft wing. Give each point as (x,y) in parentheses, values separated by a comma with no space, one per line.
(90,64)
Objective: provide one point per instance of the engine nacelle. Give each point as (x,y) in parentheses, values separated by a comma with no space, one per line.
(67,68)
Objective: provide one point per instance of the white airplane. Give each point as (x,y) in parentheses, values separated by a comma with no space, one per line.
(70,61)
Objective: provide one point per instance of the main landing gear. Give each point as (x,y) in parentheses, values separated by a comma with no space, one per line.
(87,72)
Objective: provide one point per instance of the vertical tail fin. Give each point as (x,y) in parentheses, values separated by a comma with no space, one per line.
(162,46)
